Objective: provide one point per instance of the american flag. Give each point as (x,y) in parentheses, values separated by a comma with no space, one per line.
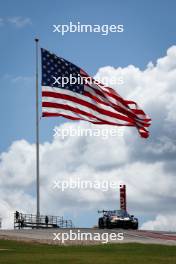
(85,100)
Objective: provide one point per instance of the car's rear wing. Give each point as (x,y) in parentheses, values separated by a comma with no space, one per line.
(106,211)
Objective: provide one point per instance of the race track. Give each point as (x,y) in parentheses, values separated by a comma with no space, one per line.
(49,236)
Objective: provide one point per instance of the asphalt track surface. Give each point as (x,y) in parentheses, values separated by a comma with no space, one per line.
(49,236)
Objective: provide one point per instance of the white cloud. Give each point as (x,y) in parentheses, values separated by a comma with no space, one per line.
(1,21)
(19,22)
(146,166)
(6,214)
(161,222)
(20,153)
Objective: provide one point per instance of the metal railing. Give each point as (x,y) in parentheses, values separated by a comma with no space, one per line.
(44,221)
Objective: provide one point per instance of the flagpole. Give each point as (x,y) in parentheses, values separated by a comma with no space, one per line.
(37,137)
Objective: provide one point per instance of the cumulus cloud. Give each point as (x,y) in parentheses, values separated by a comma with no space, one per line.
(6,214)
(147,167)
(20,152)
(161,222)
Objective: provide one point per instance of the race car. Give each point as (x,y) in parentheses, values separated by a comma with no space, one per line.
(117,219)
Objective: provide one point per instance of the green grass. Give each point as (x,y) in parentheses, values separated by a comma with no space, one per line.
(24,253)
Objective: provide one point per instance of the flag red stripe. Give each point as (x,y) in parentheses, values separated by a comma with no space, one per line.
(76,110)
(144,133)
(93,107)
(47,114)
(87,104)
(132,114)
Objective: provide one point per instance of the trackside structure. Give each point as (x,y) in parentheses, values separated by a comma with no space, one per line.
(22,221)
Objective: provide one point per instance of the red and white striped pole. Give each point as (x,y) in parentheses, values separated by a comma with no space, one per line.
(123,197)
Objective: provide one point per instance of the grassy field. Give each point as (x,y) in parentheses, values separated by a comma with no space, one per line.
(24,253)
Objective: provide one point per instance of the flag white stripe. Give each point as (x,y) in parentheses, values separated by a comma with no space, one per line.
(68,113)
(83,108)
(84,98)
(114,101)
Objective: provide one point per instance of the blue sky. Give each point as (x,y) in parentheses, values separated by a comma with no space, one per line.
(148,32)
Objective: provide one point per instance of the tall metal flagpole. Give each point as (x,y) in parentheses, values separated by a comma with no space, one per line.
(37,137)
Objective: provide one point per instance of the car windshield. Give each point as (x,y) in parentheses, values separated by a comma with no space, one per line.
(120,213)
